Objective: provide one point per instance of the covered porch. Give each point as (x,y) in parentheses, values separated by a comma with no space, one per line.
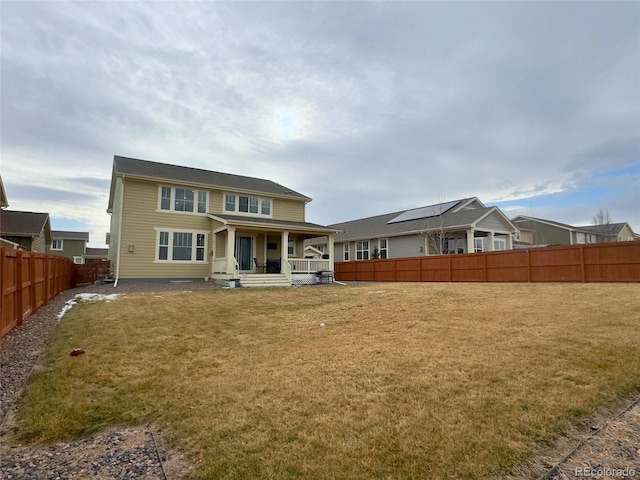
(265,252)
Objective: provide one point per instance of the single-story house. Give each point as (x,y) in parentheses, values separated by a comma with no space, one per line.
(72,245)
(30,230)
(541,232)
(176,222)
(612,232)
(459,226)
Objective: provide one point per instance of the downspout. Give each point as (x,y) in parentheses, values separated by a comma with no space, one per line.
(115,283)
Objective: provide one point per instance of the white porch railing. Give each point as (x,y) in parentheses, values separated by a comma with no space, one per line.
(308,265)
(220,265)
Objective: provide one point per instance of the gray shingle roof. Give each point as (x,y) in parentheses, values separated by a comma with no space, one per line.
(22,224)
(377,226)
(62,235)
(167,172)
(608,229)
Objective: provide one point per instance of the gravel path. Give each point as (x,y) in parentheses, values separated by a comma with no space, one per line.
(134,453)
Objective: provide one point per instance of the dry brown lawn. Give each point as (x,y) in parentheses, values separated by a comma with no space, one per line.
(404,380)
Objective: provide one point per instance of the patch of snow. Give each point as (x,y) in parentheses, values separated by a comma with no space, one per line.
(86,297)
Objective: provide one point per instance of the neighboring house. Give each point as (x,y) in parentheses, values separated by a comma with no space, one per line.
(612,232)
(31,230)
(69,244)
(459,226)
(93,255)
(174,222)
(537,231)
(4,203)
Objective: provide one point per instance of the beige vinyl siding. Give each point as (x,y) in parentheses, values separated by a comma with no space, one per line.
(141,221)
(290,210)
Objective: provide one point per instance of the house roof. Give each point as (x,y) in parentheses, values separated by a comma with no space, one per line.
(608,229)
(549,222)
(464,214)
(22,224)
(144,169)
(96,252)
(4,203)
(298,227)
(61,235)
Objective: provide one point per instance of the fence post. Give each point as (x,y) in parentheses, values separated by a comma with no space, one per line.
(582,269)
(450,274)
(484,265)
(19,285)
(528,251)
(32,279)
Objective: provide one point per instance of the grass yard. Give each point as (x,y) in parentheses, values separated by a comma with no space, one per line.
(404,381)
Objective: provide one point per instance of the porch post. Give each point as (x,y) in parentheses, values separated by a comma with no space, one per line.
(470,236)
(509,241)
(490,246)
(285,247)
(331,252)
(231,247)
(212,249)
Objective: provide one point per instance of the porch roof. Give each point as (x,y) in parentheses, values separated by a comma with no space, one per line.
(272,224)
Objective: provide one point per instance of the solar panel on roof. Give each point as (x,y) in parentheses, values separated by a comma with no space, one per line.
(423,212)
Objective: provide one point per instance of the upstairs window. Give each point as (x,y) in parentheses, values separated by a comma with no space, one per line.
(175,199)
(229,203)
(56,245)
(245,204)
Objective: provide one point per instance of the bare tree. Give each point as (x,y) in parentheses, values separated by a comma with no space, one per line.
(435,231)
(601,218)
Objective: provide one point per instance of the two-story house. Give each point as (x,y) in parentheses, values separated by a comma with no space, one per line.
(175,222)
(72,245)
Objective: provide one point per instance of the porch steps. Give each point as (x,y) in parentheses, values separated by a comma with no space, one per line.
(265,280)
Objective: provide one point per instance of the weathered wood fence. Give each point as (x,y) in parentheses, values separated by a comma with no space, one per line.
(606,262)
(90,272)
(29,280)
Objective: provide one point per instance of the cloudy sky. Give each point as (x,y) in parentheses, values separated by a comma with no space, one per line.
(368,108)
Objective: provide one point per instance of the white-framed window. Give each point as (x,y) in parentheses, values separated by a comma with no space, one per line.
(247,205)
(229,202)
(320,248)
(382,248)
(178,199)
(345,254)
(57,245)
(478,245)
(78,260)
(362,250)
(181,246)
(291,249)
(499,244)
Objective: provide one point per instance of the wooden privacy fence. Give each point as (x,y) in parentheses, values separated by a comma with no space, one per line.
(29,280)
(90,272)
(606,262)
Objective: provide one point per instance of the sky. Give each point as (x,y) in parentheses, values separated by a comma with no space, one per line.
(366,107)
